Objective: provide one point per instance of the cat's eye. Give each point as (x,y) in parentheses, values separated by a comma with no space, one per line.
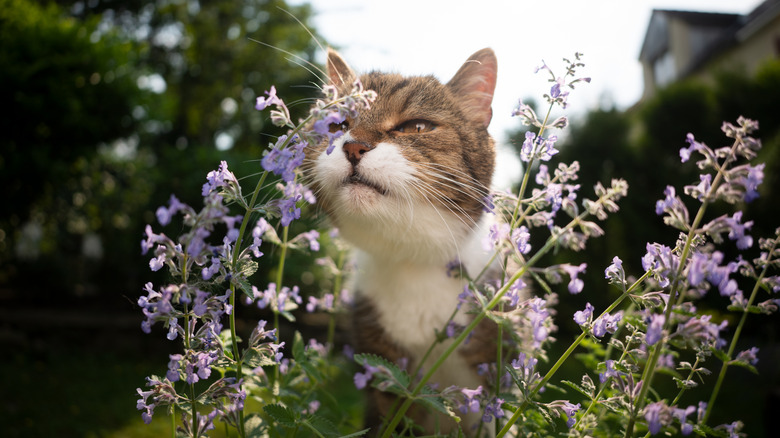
(335,127)
(416,126)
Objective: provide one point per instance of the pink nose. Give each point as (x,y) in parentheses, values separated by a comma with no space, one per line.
(355,151)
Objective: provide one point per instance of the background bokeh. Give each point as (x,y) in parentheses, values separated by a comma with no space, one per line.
(112,106)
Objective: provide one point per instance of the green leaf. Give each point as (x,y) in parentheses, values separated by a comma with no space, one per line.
(321,425)
(745,365)
(578,388)
(254,427)
(720,354)
(283,415)
(397,374)
(432,399)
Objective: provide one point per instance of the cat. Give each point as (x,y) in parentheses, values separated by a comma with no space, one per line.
(406,186)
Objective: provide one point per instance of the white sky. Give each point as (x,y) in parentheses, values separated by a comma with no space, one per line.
(437,36)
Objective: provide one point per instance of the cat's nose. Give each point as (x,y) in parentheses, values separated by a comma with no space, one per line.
(355,150)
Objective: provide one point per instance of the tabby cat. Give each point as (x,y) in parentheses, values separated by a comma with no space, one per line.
(406,185)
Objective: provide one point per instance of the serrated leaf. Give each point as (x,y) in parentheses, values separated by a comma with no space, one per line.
(433,400)
(321,425)
(245,287)
(282,415)
(745,365)
(512,373)
(578,388)
(254,427)
(399,375)
(720,354)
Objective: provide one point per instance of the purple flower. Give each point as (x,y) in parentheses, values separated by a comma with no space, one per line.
(685,153)
(655,414)
(575,284)
(737,231)
(471,401)
(520,237)
(311,237)
(526,369)
(322,126)
(527,150)
(264,102)
(582,317)
(493,409)
(515,292)
(662,261)
(156,263)
(362,379)
(609,372)
(751,182)
(496,234)
(283,160)
(606,323)
(748,356)
(655,329)
(218,178)
(614,272)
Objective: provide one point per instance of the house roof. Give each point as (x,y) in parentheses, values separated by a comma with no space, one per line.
(729,28)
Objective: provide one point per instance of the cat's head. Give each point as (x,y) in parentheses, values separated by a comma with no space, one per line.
(414,169)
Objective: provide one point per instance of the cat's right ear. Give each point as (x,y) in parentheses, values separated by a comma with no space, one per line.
(339,72)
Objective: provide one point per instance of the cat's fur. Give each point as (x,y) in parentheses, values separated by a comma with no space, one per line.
(411,202)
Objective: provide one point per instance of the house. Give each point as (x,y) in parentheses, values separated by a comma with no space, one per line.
(683,44)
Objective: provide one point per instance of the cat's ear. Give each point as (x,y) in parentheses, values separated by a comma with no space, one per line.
(339,72)
(475,83)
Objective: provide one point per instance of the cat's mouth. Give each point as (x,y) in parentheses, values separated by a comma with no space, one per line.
(357,179)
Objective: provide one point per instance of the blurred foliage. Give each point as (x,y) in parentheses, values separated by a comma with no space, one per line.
(118,105)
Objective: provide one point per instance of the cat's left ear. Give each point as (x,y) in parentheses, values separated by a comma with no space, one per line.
(339,72)
(475,83)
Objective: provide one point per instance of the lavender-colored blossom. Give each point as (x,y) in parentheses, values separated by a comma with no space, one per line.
(582,317)
(575,284)
(361,379)
(520,238)
(655,329)
(493,410)
(606,323)
(701,330)
(284,160)
(737,231)
(221,177)
(527,115)
(749,356)
(322,125)
(614,272)
(264,102)
(526,369)
(751,181)
(609,372)
(662,261)
(471,400)
(655,415)
(497,233)
(311,237)
(515,292)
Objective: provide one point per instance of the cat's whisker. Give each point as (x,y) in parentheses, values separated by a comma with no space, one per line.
(320,74)
(447,203)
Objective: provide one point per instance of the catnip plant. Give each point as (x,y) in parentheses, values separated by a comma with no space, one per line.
(651,331)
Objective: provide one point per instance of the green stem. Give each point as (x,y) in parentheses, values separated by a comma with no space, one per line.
(336,296)
(236,254)
(737,333)
(649,371)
